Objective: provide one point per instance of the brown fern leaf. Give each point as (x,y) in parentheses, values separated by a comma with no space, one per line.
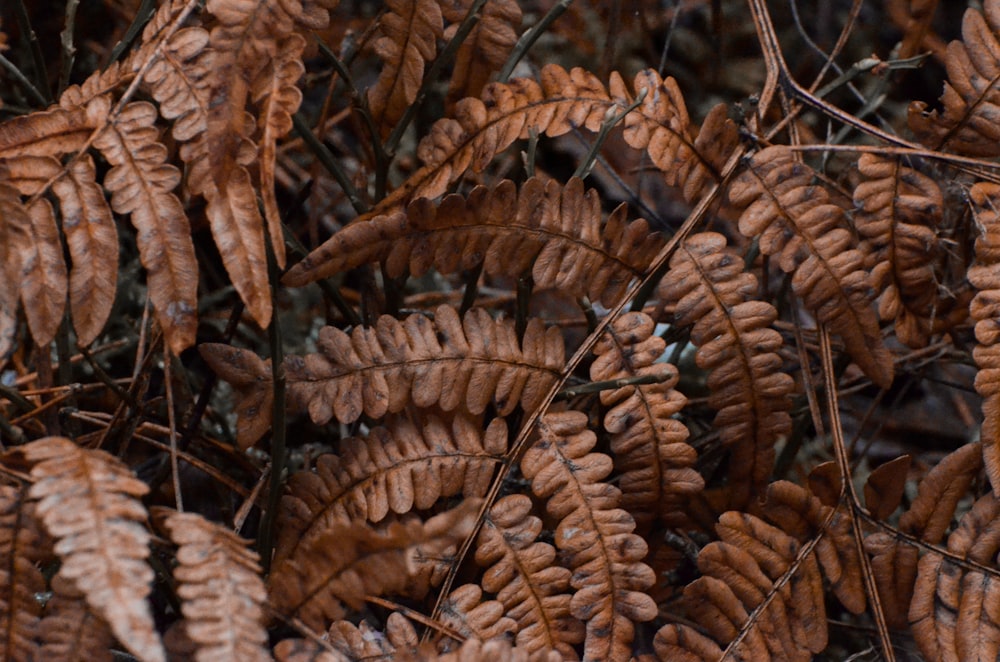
(379,370)
(88,501)
(20,578)
(953,612)
(219,584)
(553,231)
(279,98)
(894,561)
(795,221)
(898,211)
(47,133)
(43,270)
(71,631)
(561,101)
(92,239)
(985,308)
(396,469)
(496,650)
(362,641)
(250,376)
(801,514)
(522,573)
(736,343)
(649,445)
(485,48)
(689,158)
(967,125)
(141,184)
(753,562)
(351,560)
(594,535)
(408,34)
(466,612)
(15,237)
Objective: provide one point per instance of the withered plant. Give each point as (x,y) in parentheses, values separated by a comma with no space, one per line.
(497,330)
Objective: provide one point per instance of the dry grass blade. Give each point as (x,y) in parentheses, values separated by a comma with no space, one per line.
(89,502)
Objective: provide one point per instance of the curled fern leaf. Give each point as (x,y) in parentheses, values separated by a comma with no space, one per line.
(649,444)
(89,502)
(350,560)
(594,535)
(796,222)
(485,48)
(554,232)
(396,469)
(141,184)
(737,344)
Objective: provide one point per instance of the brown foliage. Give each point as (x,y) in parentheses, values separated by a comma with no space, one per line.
(574,349)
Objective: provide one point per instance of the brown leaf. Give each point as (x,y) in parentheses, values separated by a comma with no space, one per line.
(884,487)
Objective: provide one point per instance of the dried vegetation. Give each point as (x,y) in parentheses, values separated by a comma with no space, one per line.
(483,330)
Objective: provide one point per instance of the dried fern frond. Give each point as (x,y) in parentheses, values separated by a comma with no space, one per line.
(88,501)
(795,221)
(351,560)
(711,290)
(756,561)
(485,48)
(952,614)
(396,469)
(466,612)
(15,238)
(561,101)
(20,578)
(378,370)
(894,561)
(899,211)
(649,444)
(689,158)
(985,308)
(408,34)
(554,232)
(219,584)
(594,535)
(362,641)
(522,572)
(141,183)
(967,125)
(71,631)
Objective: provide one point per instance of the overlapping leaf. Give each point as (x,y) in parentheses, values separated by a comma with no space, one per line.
(467,364)
(795,221)
(556,233)
(711,290)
